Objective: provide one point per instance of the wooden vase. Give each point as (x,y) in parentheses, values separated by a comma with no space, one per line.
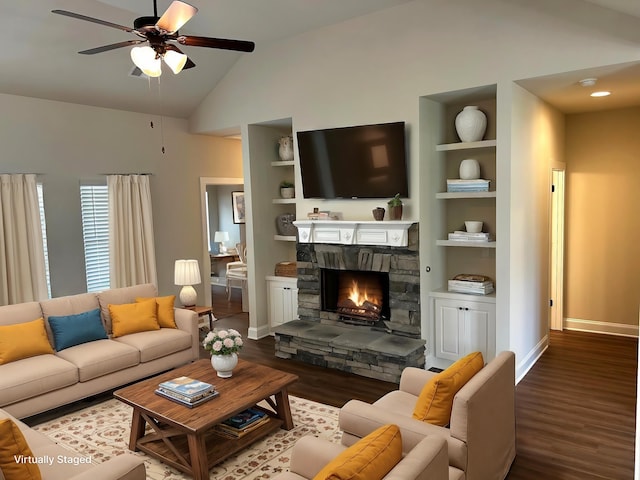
(395,213)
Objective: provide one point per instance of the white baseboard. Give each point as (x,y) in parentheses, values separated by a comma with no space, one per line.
(258,333)
(595,326)
(523,367)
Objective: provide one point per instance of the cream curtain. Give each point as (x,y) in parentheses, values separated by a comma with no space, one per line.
(131,247)
(22,264)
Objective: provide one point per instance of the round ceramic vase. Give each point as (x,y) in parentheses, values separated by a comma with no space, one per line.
(469,169)
(224,364)
(471,124)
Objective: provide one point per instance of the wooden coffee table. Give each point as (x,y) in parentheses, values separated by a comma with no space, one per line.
(184,437)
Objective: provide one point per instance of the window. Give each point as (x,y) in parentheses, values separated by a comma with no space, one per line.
(43,225)
(94,201)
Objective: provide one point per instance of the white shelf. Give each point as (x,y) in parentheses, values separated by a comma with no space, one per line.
(283,163)
(443,293)
(284,201)
(465,145)
(285,238)
(458,243)
(447,195)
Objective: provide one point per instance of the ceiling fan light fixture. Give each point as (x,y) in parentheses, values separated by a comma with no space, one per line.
(145,59)
(175,60)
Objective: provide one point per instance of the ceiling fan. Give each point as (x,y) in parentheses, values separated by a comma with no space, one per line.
(158,33)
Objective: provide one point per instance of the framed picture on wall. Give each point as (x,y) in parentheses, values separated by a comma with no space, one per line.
(237,203)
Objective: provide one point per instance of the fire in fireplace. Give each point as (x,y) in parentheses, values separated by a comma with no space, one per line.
(361,298)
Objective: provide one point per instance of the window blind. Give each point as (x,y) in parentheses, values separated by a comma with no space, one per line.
(95,232)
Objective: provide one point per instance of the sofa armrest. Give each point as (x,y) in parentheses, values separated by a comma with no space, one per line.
(122,467)
(187,320)
(427,461)
(413,379)
(310,454)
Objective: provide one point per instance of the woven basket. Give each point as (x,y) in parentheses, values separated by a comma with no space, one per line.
(286,269)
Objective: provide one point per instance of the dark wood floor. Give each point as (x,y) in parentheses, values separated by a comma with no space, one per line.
(575,409)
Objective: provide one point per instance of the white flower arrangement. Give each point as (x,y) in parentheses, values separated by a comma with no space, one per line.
(223,342)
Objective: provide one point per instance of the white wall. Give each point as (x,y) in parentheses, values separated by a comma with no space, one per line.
(67,143)
(374,69)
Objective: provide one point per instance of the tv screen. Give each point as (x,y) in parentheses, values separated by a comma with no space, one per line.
(365,161)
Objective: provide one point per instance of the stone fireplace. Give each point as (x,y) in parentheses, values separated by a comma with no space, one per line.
(358,301)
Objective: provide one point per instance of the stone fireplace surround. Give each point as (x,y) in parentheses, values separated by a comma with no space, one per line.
(380,351)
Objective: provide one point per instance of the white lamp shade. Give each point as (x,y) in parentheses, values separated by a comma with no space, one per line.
(146,60)
(175,60)
(221,237)
(187,272)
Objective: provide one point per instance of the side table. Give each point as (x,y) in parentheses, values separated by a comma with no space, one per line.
(201,311)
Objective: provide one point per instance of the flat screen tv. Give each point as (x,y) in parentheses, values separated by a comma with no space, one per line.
(365,161)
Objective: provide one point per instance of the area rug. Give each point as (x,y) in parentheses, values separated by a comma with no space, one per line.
(102,431)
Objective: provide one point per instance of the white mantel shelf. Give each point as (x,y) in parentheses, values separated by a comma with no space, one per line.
(392,233)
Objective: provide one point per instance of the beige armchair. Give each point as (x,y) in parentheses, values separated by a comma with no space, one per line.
(481,436)
(237,271)
(426,461)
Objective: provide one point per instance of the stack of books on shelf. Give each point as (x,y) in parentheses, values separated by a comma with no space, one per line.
(242,423)
(472,284)
(460,236)
(458,185)
(187,391)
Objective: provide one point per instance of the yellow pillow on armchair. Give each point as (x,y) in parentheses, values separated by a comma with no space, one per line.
(436,398)
(134,317)
(370,458)
(13,448)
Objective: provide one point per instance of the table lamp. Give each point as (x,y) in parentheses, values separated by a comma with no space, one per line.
(187,273)
(221,237)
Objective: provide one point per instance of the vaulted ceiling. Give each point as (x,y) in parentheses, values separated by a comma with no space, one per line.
(39,55)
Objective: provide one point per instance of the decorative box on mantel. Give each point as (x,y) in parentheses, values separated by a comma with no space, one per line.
(393,233)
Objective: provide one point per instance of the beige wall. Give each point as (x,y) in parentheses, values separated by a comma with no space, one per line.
(602,276)
(66,144)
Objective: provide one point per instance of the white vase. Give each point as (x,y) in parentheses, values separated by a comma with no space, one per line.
(471,124)
(224,364)
(469,169)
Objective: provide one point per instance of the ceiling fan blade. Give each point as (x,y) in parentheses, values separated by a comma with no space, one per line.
(93,20)
(113,46)
(176,16)
(223,43)
(189,64)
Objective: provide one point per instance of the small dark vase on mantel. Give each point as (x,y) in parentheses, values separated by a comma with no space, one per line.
(395,212)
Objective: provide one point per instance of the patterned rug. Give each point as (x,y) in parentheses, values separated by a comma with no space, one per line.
(102,432)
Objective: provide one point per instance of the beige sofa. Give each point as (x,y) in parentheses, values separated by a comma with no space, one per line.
(425,461)
(67,465)
(481,436)
(36,384)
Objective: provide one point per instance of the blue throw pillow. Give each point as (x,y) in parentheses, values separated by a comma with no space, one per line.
(70,330)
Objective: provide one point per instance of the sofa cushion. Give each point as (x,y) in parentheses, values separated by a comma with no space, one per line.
(117,296)
(436,398)
(75,329)
(157,343)
(13,446)
(34,376)
(100,357)
(19,313)
(133,317)
(23,340)
(165,310)
(370,458)
(69,305)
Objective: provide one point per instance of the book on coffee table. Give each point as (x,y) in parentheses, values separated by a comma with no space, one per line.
(242,423)
(185,401)
(187,387)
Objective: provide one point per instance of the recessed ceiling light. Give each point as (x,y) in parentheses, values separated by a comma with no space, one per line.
(588,82)
(602,93)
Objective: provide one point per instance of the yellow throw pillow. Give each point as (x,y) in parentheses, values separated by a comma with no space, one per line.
(22,340)
(133,317)
(15,454)
(436,398)
(370,458)
(164,311)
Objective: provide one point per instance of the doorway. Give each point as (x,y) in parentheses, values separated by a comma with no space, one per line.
(556,310)
(216,210)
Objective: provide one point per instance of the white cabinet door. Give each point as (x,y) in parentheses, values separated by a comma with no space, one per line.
(283,302)
(462,327)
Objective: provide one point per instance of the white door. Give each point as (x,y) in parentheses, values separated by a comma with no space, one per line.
(556,309)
